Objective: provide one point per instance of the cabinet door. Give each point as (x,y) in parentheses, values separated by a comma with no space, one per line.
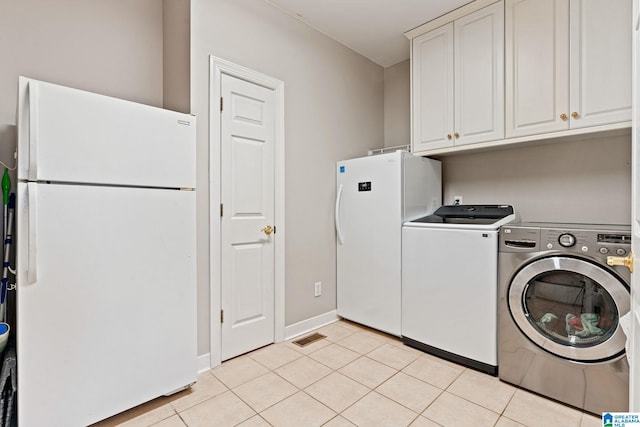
(432,89)
(479,76)
(537,66)
(600,62)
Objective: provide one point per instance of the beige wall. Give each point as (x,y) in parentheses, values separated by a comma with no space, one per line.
(176,46)
(110,47)
(333,110)
(584,181)
(397,123)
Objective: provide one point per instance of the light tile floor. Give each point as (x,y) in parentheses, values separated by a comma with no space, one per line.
(354,377)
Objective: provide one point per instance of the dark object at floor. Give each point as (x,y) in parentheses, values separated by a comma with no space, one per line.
(309,339)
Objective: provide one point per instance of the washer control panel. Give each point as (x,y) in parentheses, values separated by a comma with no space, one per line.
(587,241)
(594,240)
(567,240)
(614,244)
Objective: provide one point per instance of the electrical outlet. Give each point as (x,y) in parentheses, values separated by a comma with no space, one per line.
(457,200)
(318,289)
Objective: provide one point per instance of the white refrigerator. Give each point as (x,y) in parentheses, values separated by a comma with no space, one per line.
(375,195)
(106,286)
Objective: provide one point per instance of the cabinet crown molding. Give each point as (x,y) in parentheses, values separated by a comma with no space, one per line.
(449,17)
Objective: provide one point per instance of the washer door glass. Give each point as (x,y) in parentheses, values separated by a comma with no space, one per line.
(570,307)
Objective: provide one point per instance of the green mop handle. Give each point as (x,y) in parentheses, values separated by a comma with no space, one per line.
(6,186)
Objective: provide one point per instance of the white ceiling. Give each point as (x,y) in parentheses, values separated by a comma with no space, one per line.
(373,28)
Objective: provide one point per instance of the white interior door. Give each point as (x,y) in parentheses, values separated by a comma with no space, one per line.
(247,196)
(634,377)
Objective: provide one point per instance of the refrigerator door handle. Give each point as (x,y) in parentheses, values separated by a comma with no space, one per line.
(32,172)
(32,215)
(337,214)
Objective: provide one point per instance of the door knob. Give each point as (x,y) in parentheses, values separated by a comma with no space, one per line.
(448,136)
(575,114)
(267,230)
(563,116)
(626,261)
(457,135)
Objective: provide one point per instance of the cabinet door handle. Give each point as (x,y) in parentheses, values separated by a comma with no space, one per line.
(575,114)
(457,135)
(563,116)
(448,136)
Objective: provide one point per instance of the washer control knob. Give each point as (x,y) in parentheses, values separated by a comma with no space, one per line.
(585,249)
(604,250)
(567,240)
(621,251)
(549,245)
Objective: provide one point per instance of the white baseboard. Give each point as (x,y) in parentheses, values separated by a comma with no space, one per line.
(291,331)
(309,325)
(204,362)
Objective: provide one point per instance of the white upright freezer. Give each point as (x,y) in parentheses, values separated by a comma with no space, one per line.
(374,196)
(106,286)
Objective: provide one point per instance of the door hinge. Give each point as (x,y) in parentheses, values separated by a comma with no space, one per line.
(221,209)
(221,316)
(221,103)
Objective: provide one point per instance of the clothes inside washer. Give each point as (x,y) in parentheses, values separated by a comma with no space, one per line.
(570,309)
(584,326)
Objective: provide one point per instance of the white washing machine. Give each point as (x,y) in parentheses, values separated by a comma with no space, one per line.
(559,313)
(450,283)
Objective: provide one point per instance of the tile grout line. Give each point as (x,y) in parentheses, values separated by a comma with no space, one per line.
(402,404)
(303,389)
(382,343)
(360,356)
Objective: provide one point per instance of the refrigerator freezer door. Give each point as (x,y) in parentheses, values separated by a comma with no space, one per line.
(69,135)
(368,259)
(106,304)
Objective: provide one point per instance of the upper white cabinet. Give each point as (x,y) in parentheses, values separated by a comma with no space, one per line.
(537,66)
(432,89)
(457,76)
(600,36)
(568,64)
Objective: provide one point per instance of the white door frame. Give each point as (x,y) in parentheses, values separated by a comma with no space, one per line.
(634,339)
(218,67)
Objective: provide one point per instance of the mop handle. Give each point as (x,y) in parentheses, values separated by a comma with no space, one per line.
(7,247)
(6,187)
